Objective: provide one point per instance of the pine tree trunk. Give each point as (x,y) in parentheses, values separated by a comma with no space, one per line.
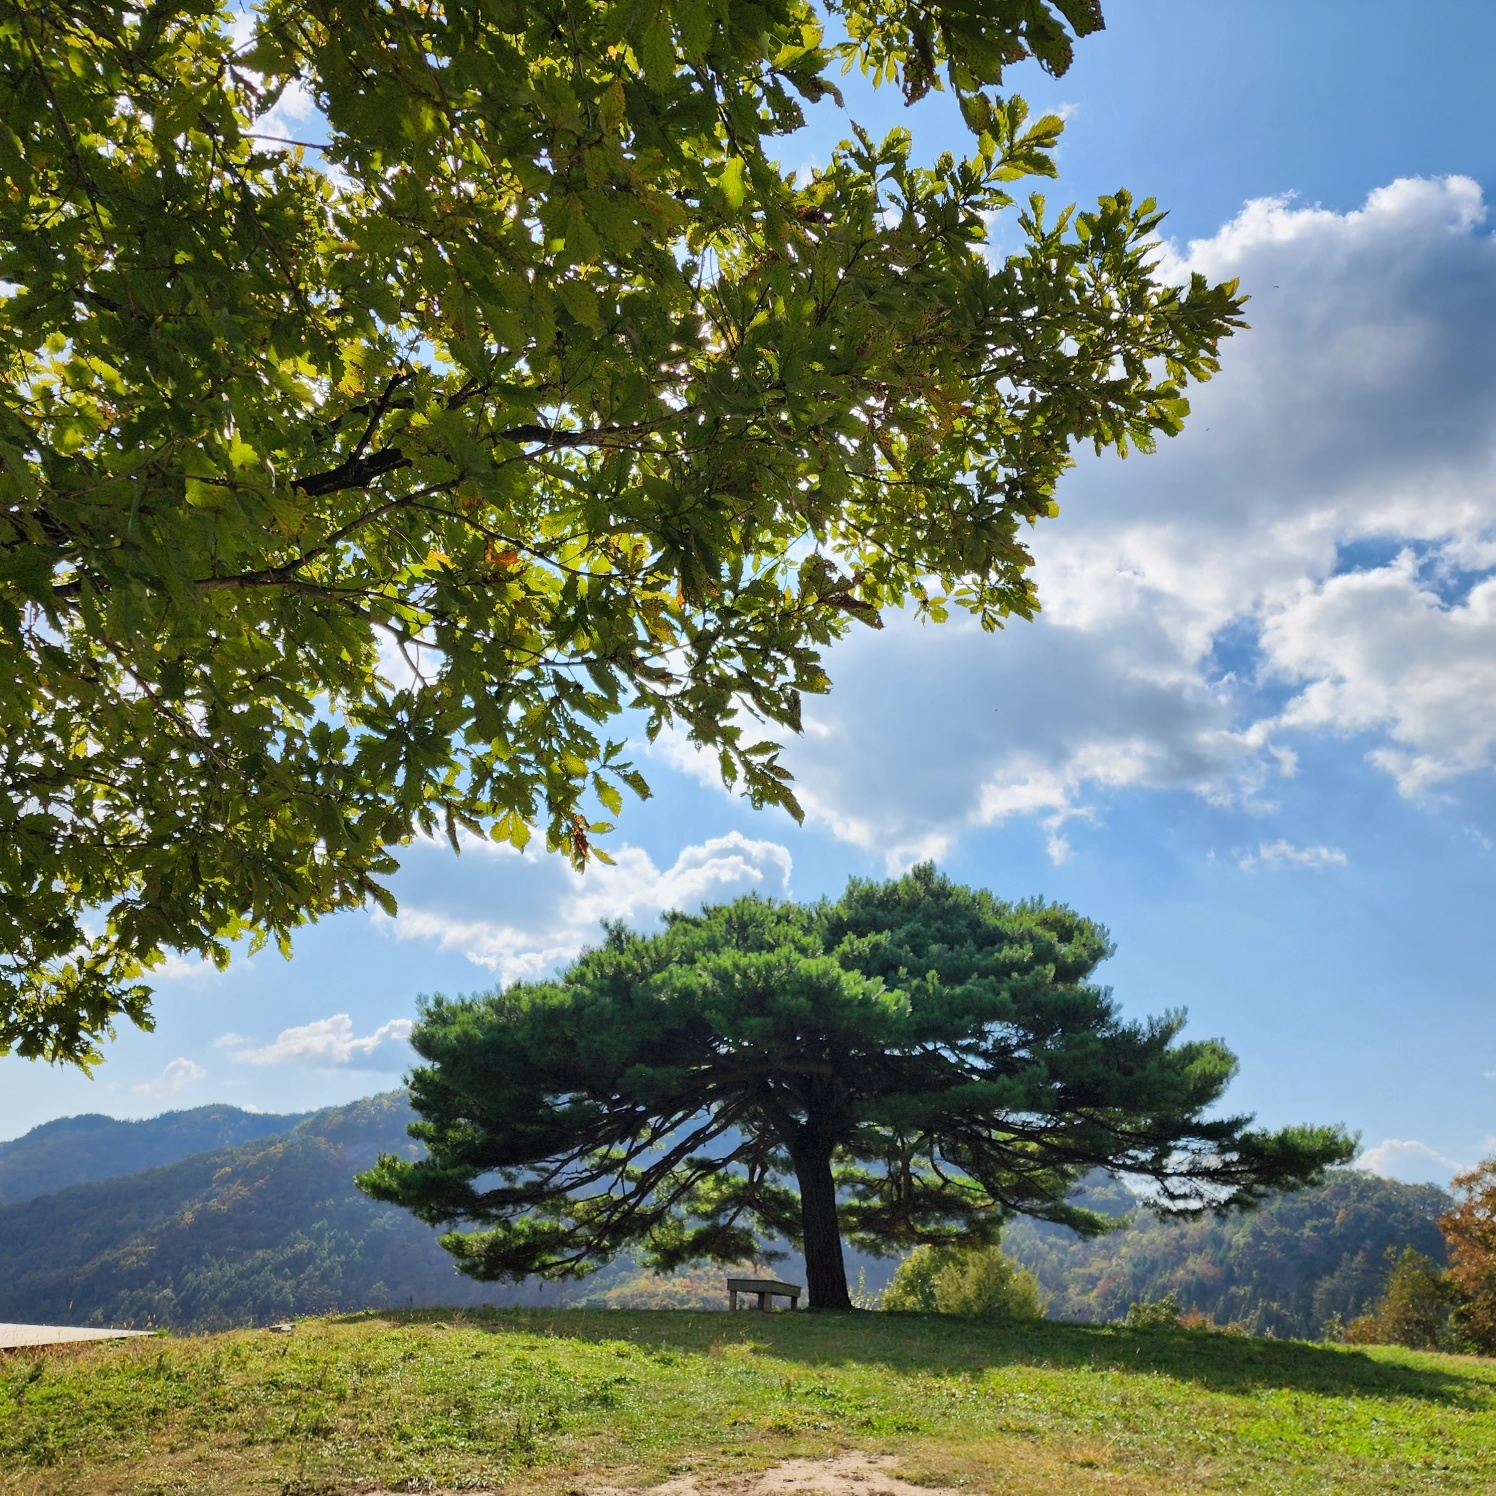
(825,1271)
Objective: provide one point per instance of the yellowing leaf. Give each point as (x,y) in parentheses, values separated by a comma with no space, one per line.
(731,182)
(612,105)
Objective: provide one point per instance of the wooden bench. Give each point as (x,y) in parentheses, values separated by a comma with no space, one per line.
(766,1289)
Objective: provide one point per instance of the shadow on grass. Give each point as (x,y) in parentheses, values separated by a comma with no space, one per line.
(931,1345)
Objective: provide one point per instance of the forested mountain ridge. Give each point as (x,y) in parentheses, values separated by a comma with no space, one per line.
(274,1227)
(269,1229)
(1285,1268)
(79,1150)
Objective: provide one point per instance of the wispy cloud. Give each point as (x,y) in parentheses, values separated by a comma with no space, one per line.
(1284,854)
(192,968)
(178,1075)
(324,1042)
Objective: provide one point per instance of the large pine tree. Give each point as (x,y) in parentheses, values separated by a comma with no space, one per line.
(912,1063)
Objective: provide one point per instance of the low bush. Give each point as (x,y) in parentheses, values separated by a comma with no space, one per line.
(1160,1314)
(1415,1308)
(983,1282)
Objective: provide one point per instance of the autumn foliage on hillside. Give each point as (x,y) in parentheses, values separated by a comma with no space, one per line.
(1470,1238)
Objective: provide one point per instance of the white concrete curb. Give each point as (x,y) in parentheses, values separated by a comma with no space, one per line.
(12,1337)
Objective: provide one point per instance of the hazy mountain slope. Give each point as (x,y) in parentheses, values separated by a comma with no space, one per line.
(275,1228)
(269,1229)
(77,1150)
(1285,1268)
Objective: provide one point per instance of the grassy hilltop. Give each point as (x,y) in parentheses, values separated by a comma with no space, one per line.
(570,1402)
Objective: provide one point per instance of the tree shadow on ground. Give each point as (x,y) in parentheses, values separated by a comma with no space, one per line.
(934,1345)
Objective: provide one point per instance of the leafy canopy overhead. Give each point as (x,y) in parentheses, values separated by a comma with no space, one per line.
(351,488)
(911,1064)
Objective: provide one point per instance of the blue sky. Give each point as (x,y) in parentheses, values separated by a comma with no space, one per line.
(1253,731)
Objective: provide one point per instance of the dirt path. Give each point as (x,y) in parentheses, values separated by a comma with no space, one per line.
(12,1337)
(850,1474)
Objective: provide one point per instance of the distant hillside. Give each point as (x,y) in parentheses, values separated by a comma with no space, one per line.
(274,1228)
(1283,1269)
(78,1150)
(267,1230)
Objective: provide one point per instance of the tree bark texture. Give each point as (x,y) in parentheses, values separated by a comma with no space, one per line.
(825,1269)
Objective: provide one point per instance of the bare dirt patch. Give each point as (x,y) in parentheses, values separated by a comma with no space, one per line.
(848,1474)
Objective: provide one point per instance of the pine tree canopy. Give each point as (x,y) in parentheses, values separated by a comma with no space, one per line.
(911,1064)
(350,488)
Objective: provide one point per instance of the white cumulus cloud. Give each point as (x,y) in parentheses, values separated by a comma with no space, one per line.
(1315,556)
(175,1078)
(1408,1160)
(1382,652)
(323,1042)
(560,910)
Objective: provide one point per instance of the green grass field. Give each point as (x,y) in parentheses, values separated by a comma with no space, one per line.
(568,1402)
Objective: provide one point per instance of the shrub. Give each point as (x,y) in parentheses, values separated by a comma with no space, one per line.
(982,1282)
(1197,1319)
(1413,1310)
(912,1286)
(1160,1314)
